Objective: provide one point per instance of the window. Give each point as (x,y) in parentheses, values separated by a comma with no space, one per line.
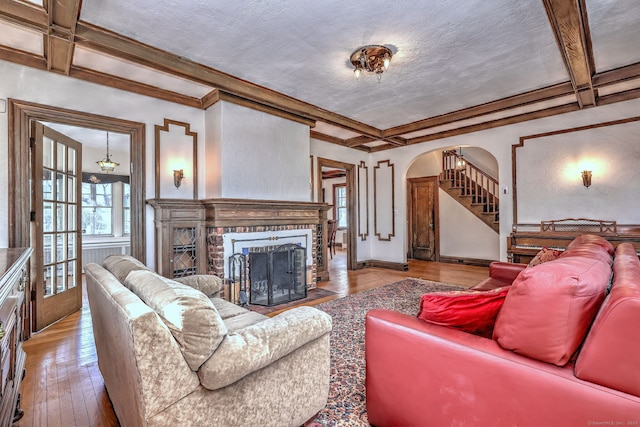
(97,209)
(340,204)
(126,209)
(106,209)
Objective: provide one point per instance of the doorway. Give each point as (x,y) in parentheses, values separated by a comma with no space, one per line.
(423,218)
(22,116)
(346,187)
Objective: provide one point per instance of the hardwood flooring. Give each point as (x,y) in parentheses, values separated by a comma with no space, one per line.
(63,386)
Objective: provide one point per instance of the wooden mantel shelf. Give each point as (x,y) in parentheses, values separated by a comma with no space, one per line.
(246,213)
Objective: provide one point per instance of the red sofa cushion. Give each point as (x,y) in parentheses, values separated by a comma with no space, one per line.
(550,307)
(591,239)
(469,311)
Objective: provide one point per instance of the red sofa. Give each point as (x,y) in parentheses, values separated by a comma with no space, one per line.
(423,374)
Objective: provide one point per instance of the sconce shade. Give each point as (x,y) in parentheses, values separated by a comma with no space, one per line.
(586,178)
(178,176)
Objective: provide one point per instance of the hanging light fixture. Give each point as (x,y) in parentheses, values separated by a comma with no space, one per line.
(106,164)
(460,164)
(373,59)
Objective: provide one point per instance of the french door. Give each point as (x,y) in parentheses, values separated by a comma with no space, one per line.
(56,229)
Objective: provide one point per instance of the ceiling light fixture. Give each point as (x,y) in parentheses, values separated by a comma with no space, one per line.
(106,164)
(372,58)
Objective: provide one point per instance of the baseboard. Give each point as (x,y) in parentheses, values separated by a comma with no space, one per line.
(386,264)
(466,261)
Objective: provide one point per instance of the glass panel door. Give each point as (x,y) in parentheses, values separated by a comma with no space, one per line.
(57,237)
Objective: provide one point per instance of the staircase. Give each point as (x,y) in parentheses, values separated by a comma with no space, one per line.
(471,187)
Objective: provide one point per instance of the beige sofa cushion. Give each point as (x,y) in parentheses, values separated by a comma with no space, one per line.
(190,316)
(208,284)
(121,265)
(252,348)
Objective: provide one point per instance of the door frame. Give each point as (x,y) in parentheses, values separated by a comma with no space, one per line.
(352,254)
(436,213)
(21,114)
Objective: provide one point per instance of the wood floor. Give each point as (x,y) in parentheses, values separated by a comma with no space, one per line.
(63,386)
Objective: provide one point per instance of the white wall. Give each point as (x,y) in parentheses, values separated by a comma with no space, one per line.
(261,156)
(28,84)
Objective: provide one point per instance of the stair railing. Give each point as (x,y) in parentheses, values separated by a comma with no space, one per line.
(472,180)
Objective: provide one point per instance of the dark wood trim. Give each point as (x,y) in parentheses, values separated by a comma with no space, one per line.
(194,162)
(511,102)
(466,261)
(224,96)
(387,264)
(132,86)
(62,31)
(25,14)
(63,17)
(352,251)
(561,109)
(21,113)
(526,138)
(363,230)
(570,25)
(23,58)
(109,42)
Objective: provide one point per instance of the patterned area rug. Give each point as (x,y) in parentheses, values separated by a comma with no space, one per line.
(346,405)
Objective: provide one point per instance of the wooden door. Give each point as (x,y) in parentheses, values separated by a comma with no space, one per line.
(423,218)
(56,229)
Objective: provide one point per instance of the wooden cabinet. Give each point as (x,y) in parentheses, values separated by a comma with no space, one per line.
(180,239)
(15,276)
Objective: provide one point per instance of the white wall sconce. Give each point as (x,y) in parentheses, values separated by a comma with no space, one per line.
(178,176)
(586,178)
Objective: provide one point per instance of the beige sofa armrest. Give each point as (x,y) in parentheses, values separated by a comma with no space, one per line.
(256,346)
(208,284)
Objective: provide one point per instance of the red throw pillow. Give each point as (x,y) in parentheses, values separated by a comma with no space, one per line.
(543,256)
(470,311)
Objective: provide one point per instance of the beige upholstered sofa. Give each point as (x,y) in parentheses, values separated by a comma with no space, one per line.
(175,354)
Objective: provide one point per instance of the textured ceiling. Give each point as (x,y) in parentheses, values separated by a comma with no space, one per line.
(448,54)
(458,66)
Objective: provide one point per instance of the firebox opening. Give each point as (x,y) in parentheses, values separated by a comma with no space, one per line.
(277,275)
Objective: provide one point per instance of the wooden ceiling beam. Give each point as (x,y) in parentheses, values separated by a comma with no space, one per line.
(132,86)
(568,19)
(561,109)
(618,75)
(23,58)
(511,102)
(24,14)
(223,96)
(335,140)
(108,42)
(59,40)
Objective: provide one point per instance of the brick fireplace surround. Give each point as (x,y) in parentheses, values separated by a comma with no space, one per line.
(271,219)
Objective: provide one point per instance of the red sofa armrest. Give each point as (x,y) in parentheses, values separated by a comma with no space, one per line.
(418,373)
(506,271)
(500,274)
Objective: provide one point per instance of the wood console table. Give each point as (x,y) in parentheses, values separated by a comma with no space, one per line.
(526,240)
(13,280)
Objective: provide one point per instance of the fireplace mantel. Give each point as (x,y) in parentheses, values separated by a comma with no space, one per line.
(219,216)
(245,213)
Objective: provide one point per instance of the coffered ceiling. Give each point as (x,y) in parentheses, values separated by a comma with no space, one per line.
(458,65)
